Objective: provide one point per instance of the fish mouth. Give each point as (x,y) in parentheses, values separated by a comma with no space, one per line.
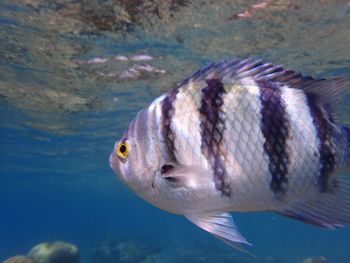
(113,162)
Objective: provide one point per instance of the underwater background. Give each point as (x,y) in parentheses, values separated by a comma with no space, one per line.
(73,74)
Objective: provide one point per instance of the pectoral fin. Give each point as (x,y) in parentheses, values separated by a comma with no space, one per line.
(221,226)
(184,176)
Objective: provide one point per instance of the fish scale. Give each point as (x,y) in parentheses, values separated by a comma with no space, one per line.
(212,128)
(167,114)
(301,163)
(275,127)
(243,127)
(188,125)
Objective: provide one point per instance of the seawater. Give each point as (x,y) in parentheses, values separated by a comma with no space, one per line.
(65,100)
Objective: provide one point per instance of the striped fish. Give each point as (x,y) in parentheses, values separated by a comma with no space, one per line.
(242,135)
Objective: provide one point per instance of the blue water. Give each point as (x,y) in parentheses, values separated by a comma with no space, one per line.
(60,119)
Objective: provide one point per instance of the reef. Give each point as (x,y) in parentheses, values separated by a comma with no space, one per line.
(112,251)
(316,260)
(56,252)
(18,259)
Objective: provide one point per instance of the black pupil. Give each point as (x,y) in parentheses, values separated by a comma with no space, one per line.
(122,149)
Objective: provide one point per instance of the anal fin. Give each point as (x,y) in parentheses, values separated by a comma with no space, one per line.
(222,226)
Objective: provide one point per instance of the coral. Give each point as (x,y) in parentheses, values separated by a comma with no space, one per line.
(136,252)
(18,259)
(316,260)
(112,251)
(107,251)
(56,252)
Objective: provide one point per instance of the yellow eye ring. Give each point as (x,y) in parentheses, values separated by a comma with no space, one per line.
(123,149)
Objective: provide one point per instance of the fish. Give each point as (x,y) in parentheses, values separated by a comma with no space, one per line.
(242,135)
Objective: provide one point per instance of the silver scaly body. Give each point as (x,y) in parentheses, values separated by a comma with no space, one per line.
(242,135)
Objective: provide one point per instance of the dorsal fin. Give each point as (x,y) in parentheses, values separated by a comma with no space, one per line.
(326,92)
(329,93)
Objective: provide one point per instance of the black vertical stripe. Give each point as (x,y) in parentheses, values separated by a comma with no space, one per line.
(347,134)
(275,128)
(212,127)
(326,148)
(168,112)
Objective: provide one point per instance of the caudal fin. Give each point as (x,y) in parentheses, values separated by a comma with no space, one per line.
(329,209)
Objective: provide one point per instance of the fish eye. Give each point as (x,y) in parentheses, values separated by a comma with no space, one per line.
(123,149)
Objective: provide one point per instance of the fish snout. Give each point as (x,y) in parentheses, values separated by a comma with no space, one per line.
(113,161)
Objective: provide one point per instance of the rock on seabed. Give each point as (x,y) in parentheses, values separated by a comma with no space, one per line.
(56,252)
(316,260)
(18,259)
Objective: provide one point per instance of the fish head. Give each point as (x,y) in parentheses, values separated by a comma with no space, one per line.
(143,162)
(136,157)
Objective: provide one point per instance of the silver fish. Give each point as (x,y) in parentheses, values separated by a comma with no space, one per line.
(242,135)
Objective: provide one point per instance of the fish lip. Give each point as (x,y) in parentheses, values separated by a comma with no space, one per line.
(110,160)
(113,162)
